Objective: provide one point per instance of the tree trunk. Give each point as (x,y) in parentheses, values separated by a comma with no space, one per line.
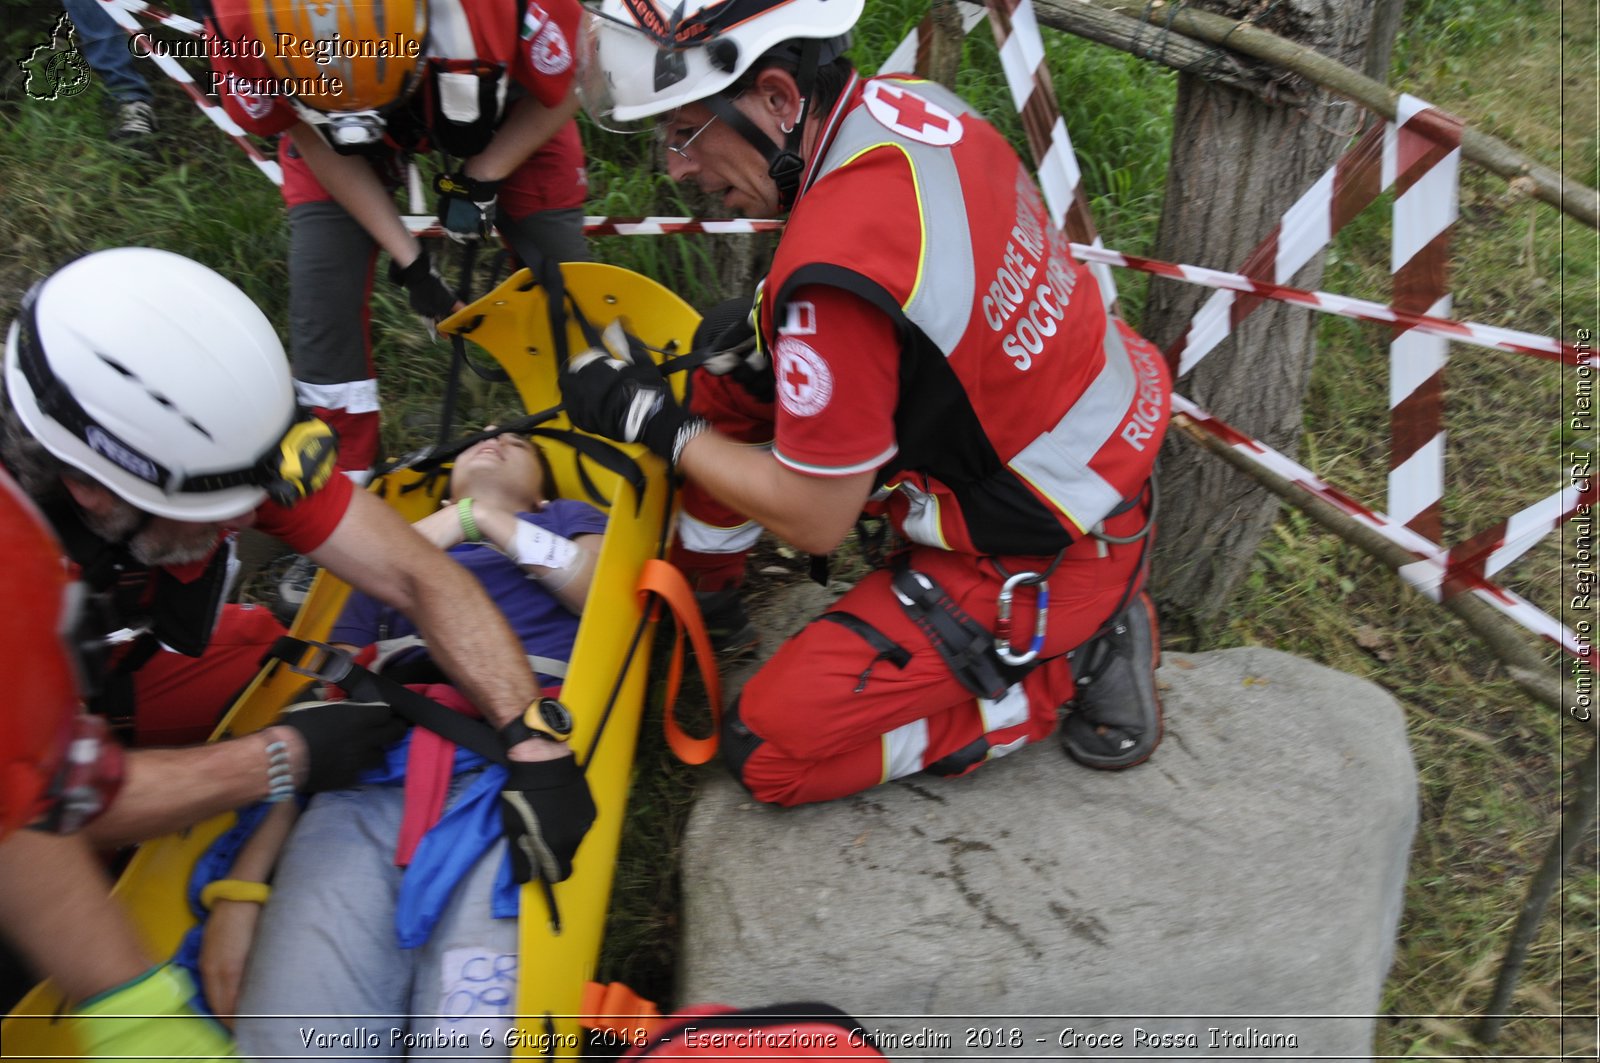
(739,262)
(1237,164)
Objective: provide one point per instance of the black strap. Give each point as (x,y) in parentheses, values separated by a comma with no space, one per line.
(335,666)
(966,645)
(458,345)
(888,649)
(605,454)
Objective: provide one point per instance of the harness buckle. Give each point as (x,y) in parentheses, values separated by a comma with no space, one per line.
(1002,623)
(924,585)
(328,663)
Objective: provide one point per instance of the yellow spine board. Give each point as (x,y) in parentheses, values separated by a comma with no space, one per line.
(511,323)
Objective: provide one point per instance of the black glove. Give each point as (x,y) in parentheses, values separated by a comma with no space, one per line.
(546,810)
(427,292)
(466,206)
(729,342)
(613,396)
(343,739)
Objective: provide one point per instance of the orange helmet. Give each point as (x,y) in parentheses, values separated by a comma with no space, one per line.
(344,56)
(56,764)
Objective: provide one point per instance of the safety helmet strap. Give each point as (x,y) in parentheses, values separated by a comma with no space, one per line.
(58,403)
(787,163)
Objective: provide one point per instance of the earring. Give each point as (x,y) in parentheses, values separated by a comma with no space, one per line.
(786,128)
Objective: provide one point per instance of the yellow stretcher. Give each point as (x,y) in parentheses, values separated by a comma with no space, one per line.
(609,668)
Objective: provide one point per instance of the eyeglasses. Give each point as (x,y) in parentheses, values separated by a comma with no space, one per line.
(668,140)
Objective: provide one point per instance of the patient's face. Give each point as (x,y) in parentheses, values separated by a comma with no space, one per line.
(505,463)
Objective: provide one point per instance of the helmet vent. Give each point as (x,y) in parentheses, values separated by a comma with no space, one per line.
(156,396)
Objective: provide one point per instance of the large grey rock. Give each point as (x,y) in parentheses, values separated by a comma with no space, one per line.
(1253,868)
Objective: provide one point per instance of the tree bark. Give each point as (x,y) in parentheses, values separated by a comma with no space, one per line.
(1238,163)
(943,37)
(1156,43)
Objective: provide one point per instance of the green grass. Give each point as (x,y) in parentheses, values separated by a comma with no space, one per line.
(1489,762)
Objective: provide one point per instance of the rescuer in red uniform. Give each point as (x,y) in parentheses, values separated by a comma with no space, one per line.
(924,348)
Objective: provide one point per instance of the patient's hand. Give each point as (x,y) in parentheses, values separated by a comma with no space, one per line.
(224,948)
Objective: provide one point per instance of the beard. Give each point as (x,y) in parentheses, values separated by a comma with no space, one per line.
(160,542)
(174,544)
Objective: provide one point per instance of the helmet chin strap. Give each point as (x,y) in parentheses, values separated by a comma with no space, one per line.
(784,164)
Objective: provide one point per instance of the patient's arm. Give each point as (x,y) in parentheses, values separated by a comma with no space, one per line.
(225,945)
(568,583)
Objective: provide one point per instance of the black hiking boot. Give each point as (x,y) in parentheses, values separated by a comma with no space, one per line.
(728,626)
(1114,721)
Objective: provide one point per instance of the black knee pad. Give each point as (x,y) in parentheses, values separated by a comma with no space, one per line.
(738,742)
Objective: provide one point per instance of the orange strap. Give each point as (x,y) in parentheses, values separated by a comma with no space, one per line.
(615,1007)
(665,581)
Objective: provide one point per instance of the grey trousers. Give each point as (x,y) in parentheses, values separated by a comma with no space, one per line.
(326,977)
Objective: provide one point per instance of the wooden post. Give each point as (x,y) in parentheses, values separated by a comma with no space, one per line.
(939,57)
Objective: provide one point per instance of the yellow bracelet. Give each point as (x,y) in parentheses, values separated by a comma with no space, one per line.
(234,889)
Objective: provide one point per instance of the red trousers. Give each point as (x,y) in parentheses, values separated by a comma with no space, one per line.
(833,717)
(178,700)
(836,718)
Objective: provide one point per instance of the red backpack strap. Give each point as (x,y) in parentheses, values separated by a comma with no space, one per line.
(662,579)
(494,25)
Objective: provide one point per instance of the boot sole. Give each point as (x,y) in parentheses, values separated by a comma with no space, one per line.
(1089,760)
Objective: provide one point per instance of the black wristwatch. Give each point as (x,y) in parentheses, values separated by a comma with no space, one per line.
(545,717)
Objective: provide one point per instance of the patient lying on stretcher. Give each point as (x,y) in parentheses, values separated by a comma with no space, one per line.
(392,899)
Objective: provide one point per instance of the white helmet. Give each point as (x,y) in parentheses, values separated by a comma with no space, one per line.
(164,383)
(640,61)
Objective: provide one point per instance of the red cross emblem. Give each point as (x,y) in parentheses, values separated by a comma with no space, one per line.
(796,378)
(911,115)
(807,381)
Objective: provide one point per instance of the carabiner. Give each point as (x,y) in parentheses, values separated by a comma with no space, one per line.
(1002,623)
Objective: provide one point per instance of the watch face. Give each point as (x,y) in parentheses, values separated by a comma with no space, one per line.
(555,715)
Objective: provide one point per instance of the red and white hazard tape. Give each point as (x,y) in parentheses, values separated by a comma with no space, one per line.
(422,225)
(1434,573)
(1344,306)
(1373,164)
(1016,33)
(123,12)
(1403,154)
(1424,216)
(1487,553)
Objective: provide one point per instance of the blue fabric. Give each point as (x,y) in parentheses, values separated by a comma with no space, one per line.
(467,830)
(104,45)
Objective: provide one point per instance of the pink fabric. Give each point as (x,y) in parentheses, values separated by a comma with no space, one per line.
(427,773)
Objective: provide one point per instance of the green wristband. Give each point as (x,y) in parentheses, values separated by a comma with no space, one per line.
(469,527)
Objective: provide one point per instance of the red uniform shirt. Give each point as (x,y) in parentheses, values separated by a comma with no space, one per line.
(307,524)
